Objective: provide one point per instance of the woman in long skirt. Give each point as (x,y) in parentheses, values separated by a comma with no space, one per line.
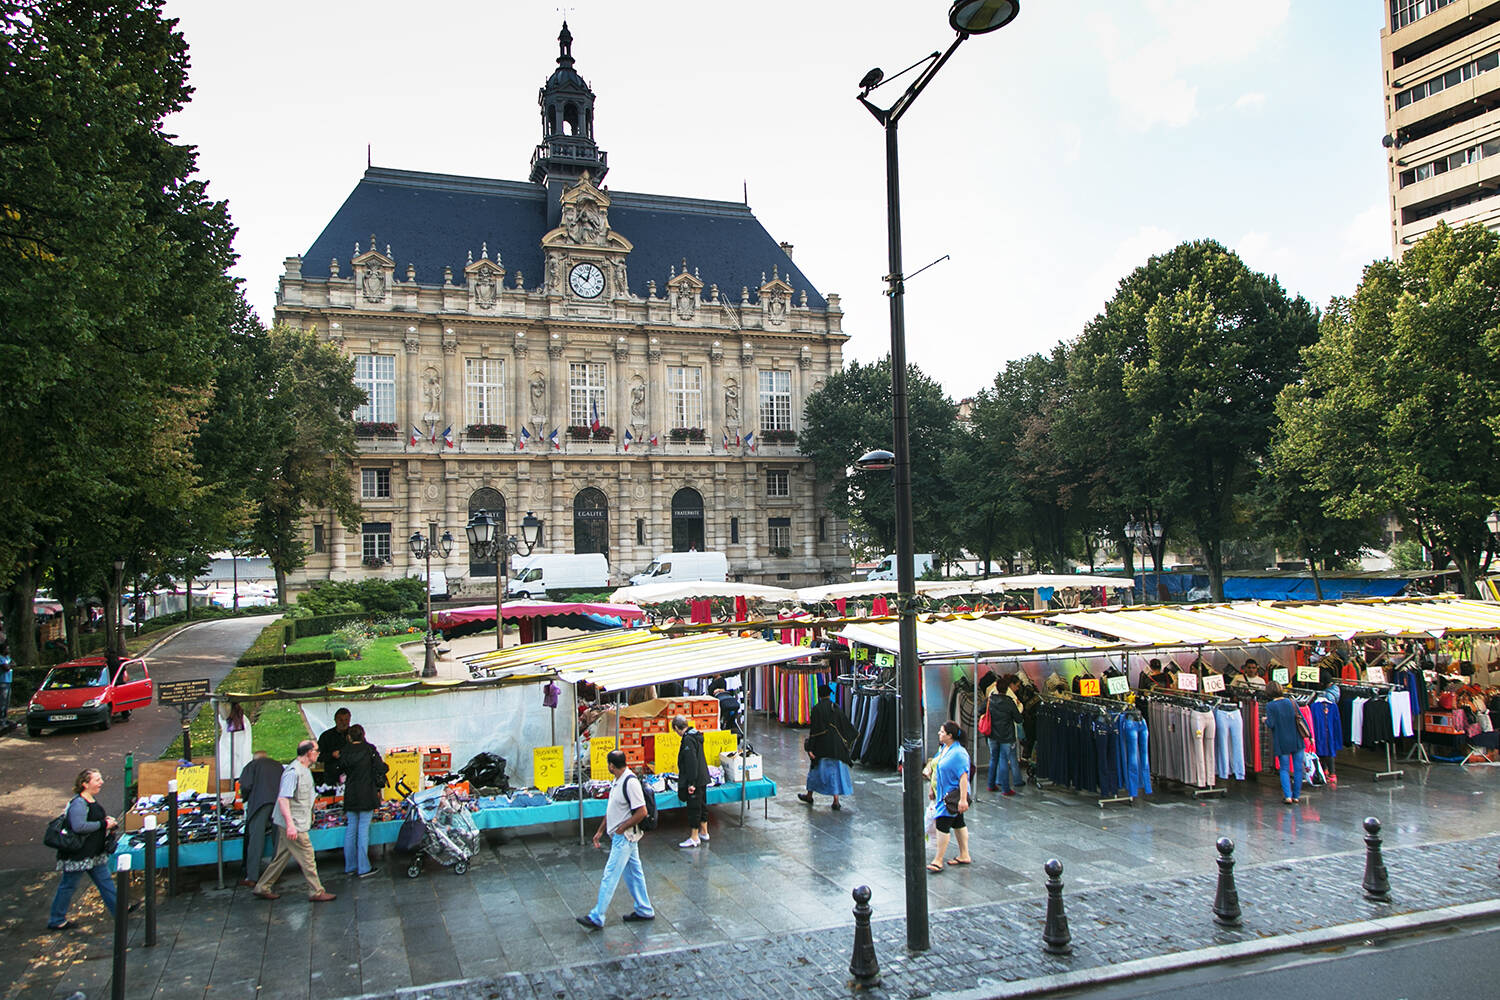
(829,748)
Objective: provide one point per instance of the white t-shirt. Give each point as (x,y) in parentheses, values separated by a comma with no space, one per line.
(625,797)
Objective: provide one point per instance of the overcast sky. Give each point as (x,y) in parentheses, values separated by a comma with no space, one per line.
(1048,159)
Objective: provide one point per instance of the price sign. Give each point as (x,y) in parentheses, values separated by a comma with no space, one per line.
(1213,682)
(1430,676)
(1187,681)
(884,660)
(1117,685)
(599,748)
(547,768)
(1308,674)
(1280,675)
(1089,687)
(1375,675)
(403,774)
(667,747)
(861,654)
(718,741)
(192,778)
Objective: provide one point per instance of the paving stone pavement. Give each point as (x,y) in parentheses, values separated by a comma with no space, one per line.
(764,910)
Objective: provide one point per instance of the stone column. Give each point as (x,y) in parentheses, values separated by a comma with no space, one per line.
(411,377)
(518,386)
(415,519)
(337,554)
(453,386)
(557,395)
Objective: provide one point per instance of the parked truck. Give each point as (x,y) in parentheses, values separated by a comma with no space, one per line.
(538,575)
(675,567)
(921,563)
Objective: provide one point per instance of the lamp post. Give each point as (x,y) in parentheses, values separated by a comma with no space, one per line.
(487,539)
(1147,537)
(117,637)
(421,548)
(966,17)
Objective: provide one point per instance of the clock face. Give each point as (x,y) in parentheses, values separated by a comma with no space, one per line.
(587,281)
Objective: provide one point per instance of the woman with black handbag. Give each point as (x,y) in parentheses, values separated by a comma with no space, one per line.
(87,820)
(364,780)
(828,750)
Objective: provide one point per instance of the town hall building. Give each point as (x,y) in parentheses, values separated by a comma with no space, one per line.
(631,368)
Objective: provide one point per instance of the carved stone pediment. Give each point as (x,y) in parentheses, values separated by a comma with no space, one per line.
(684,291)
(374,276)
(775,299)
(485,278)
(585,240)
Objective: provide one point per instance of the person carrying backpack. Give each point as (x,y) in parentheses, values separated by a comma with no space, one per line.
(622,820)
(88,820)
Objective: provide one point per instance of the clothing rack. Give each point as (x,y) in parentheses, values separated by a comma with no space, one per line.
(1197,702)
(1104,708)
(1372,689)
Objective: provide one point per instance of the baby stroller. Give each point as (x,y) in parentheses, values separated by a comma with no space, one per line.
(447,831)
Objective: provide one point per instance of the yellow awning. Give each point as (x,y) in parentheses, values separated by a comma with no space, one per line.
(982,637)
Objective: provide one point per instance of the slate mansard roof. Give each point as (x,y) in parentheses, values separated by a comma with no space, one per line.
(433,221)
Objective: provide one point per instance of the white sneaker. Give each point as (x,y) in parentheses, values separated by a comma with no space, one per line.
(688,843)
(703,836)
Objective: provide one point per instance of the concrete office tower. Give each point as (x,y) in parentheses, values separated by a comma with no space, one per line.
(1441,65)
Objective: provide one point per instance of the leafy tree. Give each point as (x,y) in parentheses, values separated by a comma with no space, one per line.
(1189,356)
(1407,555)
(1400,407)
(113,292)
(1290,512)
(306,440)
(851,415)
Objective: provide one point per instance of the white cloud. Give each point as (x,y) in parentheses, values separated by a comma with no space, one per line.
(1255,101)
(1368,234)
(1112,268)
(1151,62)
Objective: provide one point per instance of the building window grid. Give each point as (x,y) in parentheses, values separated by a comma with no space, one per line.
(775,400)
(376,375)
(484,380)
(585,393)
(1452,161)
(1452,78)
(778,483)
(779,533)
(375,484)
(1404,12)
(685,396)
(376,541)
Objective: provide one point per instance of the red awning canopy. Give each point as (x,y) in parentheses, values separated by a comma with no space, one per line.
(533,609)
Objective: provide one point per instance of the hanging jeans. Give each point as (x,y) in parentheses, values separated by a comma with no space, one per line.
(1229,743)
(1290,766)
(1005,769)
(1401,714)
(1135,757)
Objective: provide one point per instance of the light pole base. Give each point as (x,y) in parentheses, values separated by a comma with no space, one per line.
(429,659)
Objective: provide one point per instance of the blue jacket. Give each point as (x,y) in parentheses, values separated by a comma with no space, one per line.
(1281,717)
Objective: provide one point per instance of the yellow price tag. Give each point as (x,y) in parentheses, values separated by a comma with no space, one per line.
(192,778)
(667,747)
(599,748)
(1089,687)
(403,774)
(719,741)
(547,768)
(861,654)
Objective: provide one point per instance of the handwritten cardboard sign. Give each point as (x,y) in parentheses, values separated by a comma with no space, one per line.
(599,748)
(547,769)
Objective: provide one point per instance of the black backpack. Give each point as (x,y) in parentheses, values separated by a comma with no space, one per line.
(649,823)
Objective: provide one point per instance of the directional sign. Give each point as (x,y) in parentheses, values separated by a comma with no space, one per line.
(182,692)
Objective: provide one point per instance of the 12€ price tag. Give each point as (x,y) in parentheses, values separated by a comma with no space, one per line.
(1213,682)
(1089,687)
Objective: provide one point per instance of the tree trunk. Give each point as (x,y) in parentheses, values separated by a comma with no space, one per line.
(1213,558)
(189,613)
(280,584)
(1467,563)
(23,648)
(1312,565)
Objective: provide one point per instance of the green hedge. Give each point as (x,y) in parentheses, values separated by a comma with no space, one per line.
(324,624)
(203,614)
(275,659)
(375,595)
(307,674)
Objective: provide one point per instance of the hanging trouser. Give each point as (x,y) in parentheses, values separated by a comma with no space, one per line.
(1229,743)
(1401,714)
(1201,749)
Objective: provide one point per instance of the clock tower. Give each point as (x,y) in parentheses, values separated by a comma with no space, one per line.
(567,150)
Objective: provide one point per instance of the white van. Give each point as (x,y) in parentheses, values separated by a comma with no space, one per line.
(439,586)
(675,567)
(537,575)
(921,563)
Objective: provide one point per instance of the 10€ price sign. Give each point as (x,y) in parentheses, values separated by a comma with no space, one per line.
(1117,684)
(1187,681)
(1213,682)
(1279,675)
(547,768)
(599,748)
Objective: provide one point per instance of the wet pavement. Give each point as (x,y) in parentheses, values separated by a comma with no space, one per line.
(764,909)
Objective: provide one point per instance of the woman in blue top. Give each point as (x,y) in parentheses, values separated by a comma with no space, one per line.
(1282,717)
(950,775)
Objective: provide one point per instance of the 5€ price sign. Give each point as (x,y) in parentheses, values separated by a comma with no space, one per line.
(1088,687)
(1280,675)
(547,768)
(1307,674)
(1213,682)
(1117,684)
(599,748)
(1187,681)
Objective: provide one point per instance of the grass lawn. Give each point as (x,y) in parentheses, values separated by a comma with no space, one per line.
(382,656)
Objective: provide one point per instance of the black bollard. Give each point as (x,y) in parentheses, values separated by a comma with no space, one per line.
(148,836)
(172,837)
(864,969)
(1377,886)
(1227,897)
(122,928)
(1055,934)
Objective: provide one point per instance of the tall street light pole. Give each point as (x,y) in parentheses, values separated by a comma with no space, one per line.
(421,547)
(967,17)
(487,538)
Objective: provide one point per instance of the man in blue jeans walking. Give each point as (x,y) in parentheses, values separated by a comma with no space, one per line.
(622,818)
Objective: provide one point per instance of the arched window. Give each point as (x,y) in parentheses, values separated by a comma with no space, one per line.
(687,520)
(591,521)
(490,500)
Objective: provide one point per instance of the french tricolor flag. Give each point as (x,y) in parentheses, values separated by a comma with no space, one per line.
(556,441)
(655,440)
(448,436)
(629,437)
(726,440)
(594,422)
(416,435)
(522,439)
(750,440)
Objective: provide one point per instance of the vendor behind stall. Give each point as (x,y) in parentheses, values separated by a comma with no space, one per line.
(330,743)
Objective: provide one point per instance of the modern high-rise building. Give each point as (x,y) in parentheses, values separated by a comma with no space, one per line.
(631,368)
(1441,64)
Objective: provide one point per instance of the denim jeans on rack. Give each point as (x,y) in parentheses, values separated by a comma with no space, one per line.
(1229,743)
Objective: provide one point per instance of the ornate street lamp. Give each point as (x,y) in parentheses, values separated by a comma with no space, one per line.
(1147,537)
(967,17)
(421,548)
(487,540)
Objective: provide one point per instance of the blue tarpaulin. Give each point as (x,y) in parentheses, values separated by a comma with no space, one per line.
(1276,588)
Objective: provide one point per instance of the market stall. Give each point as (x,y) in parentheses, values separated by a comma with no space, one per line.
(535,617)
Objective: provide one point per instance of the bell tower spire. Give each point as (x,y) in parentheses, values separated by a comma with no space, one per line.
(567,148)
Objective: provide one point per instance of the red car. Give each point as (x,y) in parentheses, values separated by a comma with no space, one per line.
(82,693)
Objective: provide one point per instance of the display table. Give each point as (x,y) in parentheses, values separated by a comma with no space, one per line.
(204,852)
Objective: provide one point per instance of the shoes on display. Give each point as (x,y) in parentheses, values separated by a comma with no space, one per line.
(632,916)
(688,843)
(586,922)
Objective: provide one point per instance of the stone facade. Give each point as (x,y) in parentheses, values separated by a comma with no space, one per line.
(697,390)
